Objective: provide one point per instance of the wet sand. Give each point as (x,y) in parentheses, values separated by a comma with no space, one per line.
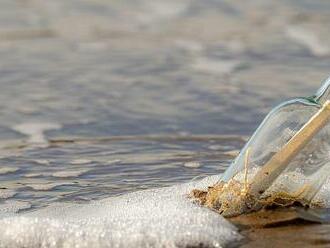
(303,235)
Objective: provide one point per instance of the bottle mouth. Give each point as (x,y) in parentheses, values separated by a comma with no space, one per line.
(323,92)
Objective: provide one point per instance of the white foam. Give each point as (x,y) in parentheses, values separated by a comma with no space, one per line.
(153,218)
(36,131)
(12,206)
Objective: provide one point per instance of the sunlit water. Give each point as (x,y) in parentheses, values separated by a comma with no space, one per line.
(82,170)
(100,98)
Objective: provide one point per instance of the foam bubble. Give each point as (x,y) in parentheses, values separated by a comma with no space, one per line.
(12,206)
(153,218)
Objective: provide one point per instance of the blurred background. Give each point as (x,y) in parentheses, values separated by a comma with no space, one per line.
(104,97)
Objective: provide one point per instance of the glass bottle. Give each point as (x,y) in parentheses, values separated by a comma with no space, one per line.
(305,175)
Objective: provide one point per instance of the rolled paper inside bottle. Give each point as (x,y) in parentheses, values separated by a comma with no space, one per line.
(276,165)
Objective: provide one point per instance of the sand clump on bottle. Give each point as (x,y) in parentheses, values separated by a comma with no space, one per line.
(253,182)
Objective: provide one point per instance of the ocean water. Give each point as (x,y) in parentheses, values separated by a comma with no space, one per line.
(103,98)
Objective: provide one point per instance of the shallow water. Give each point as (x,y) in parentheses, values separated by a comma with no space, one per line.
(100,98)
(88,169)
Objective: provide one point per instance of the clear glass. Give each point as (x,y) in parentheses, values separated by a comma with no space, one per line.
(307,172)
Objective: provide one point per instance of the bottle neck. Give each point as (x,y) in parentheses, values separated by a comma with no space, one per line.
(323,93)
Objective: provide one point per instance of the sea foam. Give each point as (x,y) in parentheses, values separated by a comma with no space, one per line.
(163,217)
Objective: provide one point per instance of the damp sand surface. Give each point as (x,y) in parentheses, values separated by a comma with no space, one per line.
(293,235)
(284,227)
